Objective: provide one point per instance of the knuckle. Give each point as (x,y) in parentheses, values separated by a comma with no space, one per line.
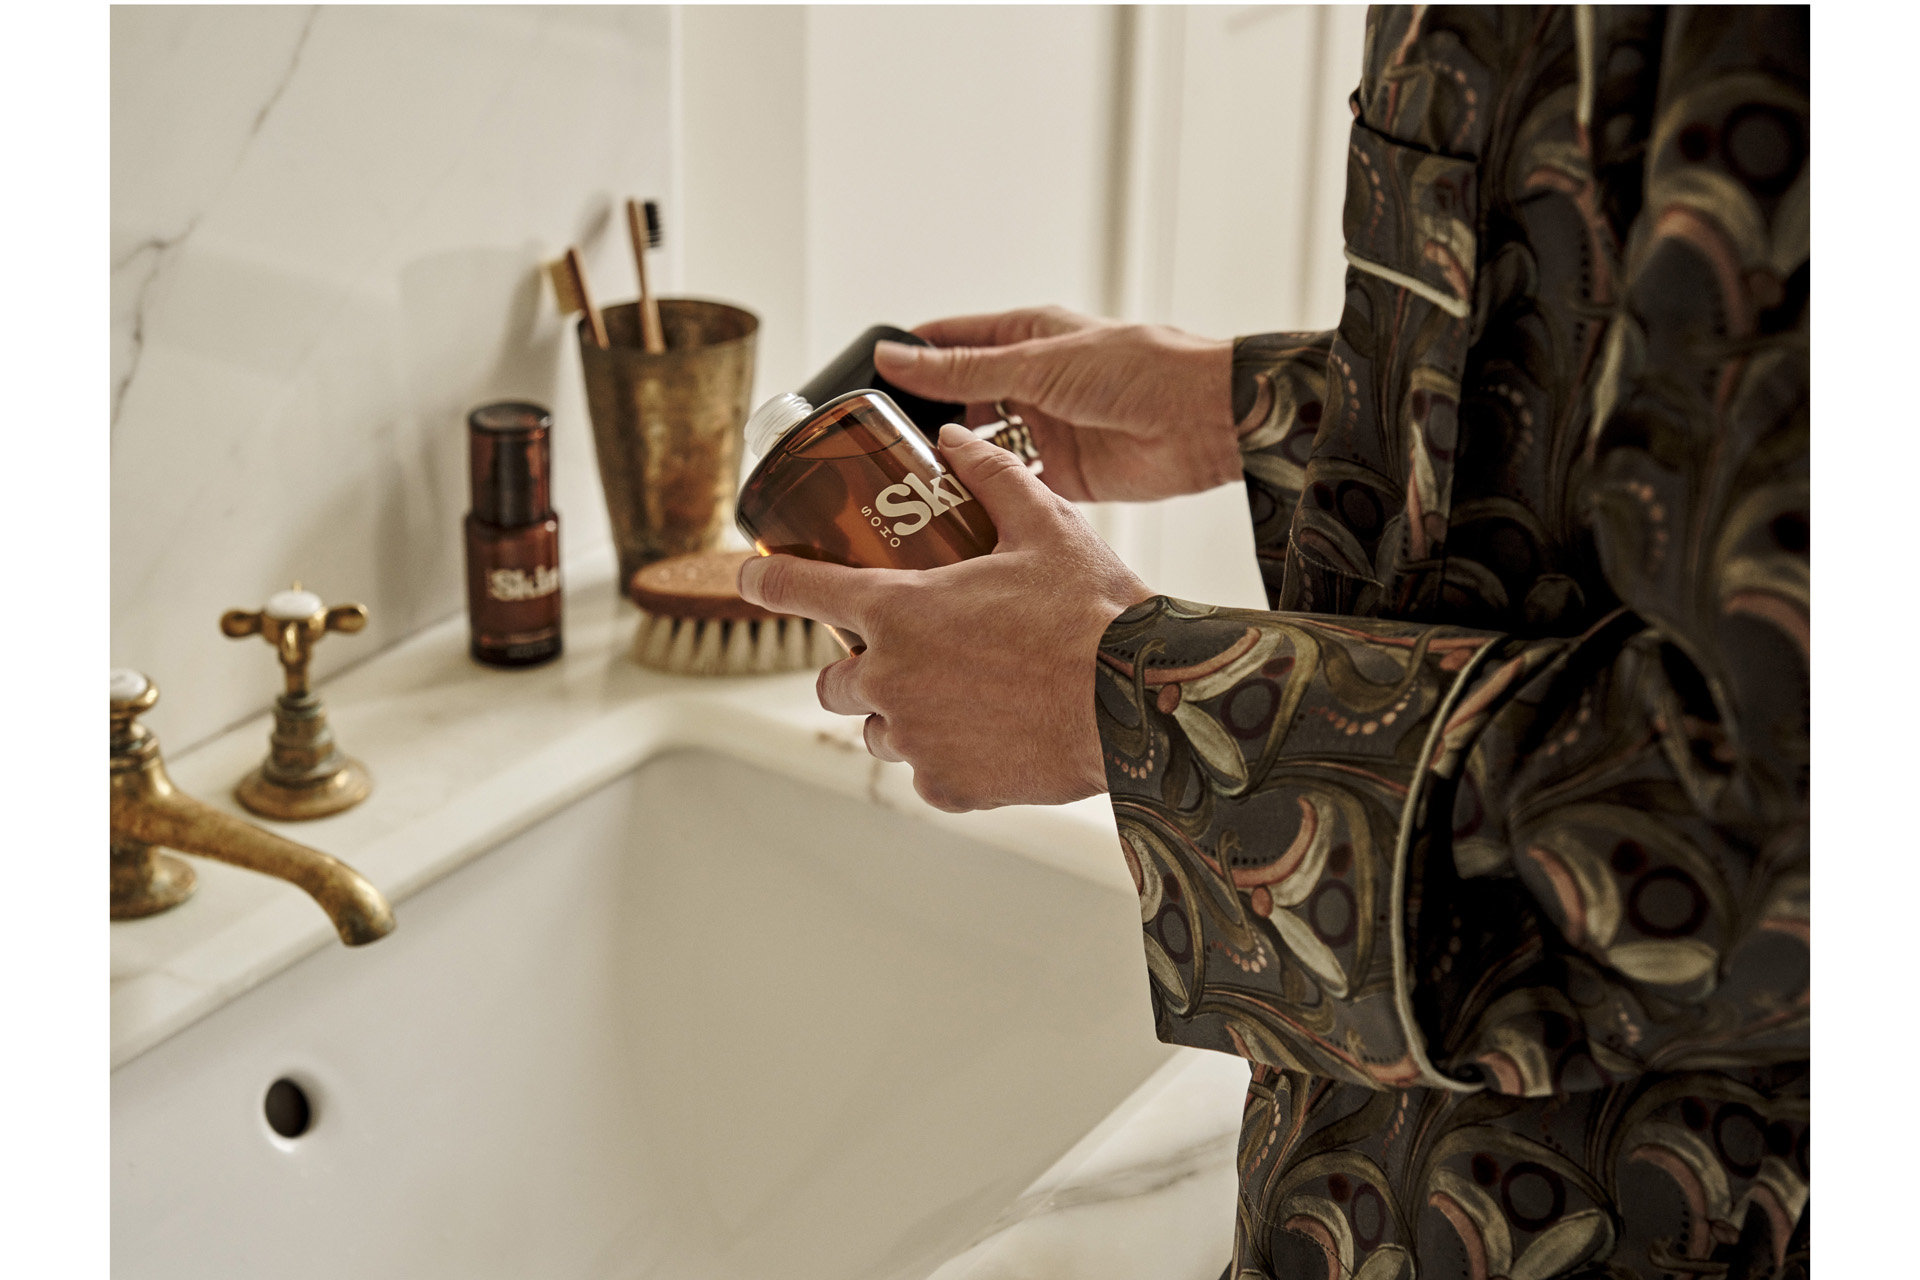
(965,366)
(830,686)
(775,584)
(938,793)
(882,619)
(1056,319)
(995,463)
(891,611)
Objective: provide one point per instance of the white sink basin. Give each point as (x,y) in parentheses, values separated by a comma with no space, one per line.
(706,1021)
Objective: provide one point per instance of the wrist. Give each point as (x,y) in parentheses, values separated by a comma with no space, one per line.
(1204,376)
(1209,385)
(1123,592)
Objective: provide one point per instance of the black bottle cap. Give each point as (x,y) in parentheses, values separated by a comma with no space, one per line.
(853,370)
(510,463)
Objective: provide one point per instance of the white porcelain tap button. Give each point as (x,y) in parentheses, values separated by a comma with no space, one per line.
(291,606)
(128,684)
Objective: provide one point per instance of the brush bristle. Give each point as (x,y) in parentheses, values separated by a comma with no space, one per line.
(653,224)
(713,647)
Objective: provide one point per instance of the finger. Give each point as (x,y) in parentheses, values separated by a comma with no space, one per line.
(829,593)
(989,330)
(1023,509)
(838,686)
(969,374)
(878,746)
(993,329)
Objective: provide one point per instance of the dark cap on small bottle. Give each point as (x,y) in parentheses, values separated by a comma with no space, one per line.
(509,460)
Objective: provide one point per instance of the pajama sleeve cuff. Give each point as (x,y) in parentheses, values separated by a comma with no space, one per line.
(1266,772)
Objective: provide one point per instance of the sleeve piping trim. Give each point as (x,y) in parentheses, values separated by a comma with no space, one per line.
(1410,1032)
(1455,307)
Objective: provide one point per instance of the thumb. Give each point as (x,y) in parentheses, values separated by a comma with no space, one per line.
(1022,508)
(965,375)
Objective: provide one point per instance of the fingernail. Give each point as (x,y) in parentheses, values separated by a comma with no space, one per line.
(953,434)
(748,582)
(896,353)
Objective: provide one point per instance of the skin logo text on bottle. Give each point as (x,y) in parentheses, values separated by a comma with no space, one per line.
(523,584)
(934,500)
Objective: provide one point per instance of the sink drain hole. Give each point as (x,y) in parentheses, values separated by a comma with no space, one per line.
(289,1112)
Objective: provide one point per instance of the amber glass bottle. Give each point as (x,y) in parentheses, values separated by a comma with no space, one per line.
(855,483)
(513,537)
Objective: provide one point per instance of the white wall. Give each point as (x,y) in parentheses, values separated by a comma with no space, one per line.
(958,161)
(851,166)
(1237,154)
(327,226)
(741,225)
(1262,165)
(1184,165)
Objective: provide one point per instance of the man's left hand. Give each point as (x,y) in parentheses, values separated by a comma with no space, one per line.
(979,674)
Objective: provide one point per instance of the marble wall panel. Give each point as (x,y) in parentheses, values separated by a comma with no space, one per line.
(327,231)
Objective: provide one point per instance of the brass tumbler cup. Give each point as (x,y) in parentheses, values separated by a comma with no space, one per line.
(667,427)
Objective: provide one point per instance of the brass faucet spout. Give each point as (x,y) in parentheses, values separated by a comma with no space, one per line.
(147,811)
(168,817)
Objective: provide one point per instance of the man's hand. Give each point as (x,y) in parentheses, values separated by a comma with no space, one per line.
(979,674)
(1119,411)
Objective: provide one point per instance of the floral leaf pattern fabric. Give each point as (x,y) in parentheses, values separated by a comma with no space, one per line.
(1487,846)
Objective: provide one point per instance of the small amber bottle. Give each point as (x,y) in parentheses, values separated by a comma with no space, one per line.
(513,537)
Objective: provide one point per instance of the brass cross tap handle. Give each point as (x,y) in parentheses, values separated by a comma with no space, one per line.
(304,775)
(293,622)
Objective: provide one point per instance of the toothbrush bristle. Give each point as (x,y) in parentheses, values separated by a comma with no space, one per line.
(653,224)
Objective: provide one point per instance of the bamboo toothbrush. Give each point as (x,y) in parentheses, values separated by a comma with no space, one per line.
(652,337)
(570,291)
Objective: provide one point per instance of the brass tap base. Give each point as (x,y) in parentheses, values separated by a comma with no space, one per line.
(333,793)
(147,882)
(304,775)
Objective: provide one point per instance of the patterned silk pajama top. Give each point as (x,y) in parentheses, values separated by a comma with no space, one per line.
(1487,846)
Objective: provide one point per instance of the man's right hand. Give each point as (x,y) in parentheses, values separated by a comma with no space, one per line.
(1119,411)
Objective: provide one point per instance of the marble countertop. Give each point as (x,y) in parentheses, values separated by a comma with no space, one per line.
(464,757)
(1149,1194)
